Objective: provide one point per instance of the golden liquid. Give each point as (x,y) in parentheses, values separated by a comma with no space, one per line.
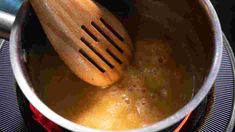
(154,86)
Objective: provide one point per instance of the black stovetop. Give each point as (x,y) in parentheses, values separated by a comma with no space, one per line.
(218,115)
(218,107)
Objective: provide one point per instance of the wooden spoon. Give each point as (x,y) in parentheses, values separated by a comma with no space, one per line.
(88,38)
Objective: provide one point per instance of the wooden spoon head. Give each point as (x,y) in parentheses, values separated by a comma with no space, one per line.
(88,38)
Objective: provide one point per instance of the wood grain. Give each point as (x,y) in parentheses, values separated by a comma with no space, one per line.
(87,37)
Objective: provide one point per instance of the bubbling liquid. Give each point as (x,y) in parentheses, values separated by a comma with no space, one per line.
(153,87)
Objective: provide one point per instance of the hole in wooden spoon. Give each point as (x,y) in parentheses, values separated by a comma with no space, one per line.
(106,36)
(112,30)
(89,33)
(91,60)
(115,57)
(96,52)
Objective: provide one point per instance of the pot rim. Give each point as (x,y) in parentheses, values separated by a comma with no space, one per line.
(23,80)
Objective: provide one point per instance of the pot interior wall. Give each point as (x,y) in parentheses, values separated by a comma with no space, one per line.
(182,24)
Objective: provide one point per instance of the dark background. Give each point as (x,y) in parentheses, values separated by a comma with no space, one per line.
(225,10)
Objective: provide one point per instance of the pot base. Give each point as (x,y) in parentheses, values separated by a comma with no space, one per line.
(218,104)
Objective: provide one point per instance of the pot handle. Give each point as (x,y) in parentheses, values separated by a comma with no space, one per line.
(8,9)
(6,22)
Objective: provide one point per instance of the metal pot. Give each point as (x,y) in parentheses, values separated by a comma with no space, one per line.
(208,55)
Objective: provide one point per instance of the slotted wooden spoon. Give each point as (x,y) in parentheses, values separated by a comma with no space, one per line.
(88,38)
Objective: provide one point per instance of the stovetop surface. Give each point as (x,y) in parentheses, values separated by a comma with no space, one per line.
(220,115)
(219,106)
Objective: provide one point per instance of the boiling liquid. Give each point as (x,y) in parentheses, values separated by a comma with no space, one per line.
(153,87)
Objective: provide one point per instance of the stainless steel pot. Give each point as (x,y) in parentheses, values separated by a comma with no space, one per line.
(209,63)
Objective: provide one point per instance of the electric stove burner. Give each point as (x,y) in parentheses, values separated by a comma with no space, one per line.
(220,115)
(215,113)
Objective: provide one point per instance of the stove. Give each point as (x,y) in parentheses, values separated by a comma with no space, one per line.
(215,113)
